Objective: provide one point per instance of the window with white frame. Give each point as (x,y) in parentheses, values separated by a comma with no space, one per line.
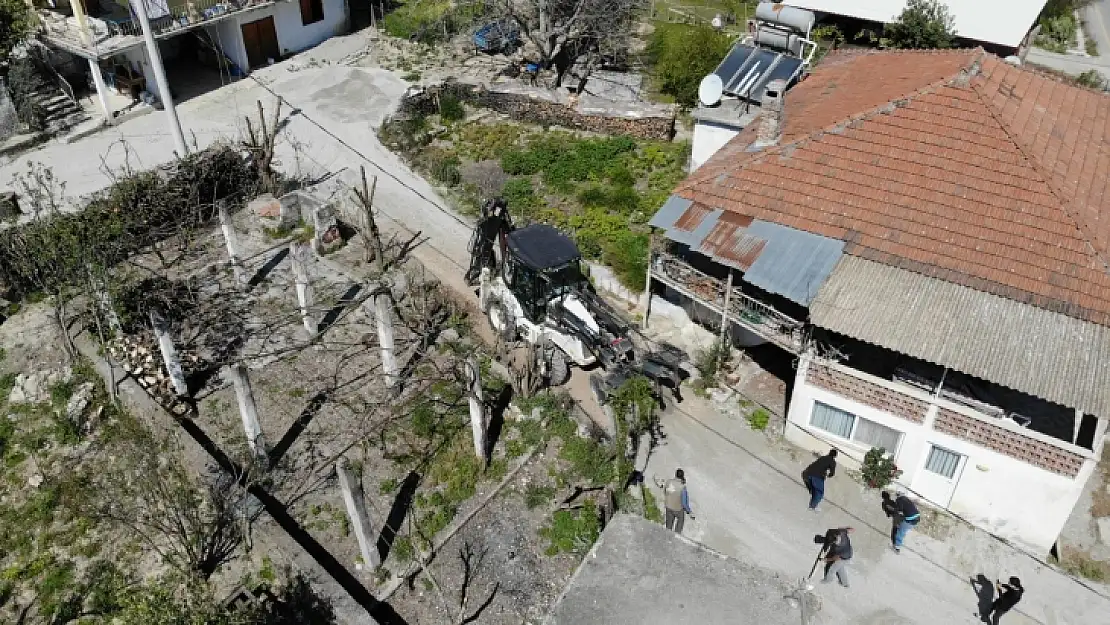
(854,428)
(943,462)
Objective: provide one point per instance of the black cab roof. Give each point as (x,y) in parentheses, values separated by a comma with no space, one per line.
(542,247)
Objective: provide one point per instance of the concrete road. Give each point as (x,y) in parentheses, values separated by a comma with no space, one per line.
(749,502)
(1069,63)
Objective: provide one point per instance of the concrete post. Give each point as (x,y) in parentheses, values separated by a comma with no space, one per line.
(483,289)
(232,243)
(169,353)
(383,314)
(160,78)
(247,408)
(300,253)
(646,299)
(101,90)
(356,511)
(477,407)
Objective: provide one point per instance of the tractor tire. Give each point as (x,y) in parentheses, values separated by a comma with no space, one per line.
(558,368)
(501,321)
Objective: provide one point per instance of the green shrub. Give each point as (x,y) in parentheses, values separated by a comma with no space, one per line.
(520,196)
(681,55)
(451,109)
(446,170)
(588,459)
(1091,78)
(759,419)
(627,256)
(923,24)
(878,469)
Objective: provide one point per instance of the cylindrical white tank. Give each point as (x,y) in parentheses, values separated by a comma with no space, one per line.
(780,40)
(800,20)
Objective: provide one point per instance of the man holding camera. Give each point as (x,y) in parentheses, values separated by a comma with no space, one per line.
(838,551)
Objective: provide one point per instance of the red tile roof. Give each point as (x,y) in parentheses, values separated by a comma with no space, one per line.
(951,164)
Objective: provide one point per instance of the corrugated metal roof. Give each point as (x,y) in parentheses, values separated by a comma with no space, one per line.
(1045,354)
(669,212)
(1003,22)
(793,263)
(696,223)
(730,244)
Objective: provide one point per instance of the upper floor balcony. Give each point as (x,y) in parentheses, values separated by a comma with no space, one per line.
(717,294)
(113,27)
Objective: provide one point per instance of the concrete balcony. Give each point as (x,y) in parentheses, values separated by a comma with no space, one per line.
(744,310)
(116,32)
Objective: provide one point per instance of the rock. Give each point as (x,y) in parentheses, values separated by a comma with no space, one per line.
(77,403)
(265,206)
(1104,530)
(35,480)
(450,335)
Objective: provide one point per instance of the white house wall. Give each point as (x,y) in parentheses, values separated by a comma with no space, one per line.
(1023,503)
(293,36)
(708,138)
(229,37)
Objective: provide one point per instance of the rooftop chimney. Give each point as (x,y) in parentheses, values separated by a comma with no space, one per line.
(771,113)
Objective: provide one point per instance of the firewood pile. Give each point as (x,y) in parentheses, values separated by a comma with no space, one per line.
(140,357)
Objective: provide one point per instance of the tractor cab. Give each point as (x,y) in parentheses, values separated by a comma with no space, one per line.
(541,266)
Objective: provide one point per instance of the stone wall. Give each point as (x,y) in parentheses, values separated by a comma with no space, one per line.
(537,110)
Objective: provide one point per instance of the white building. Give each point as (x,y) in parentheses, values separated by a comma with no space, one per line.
(200,41)
(925,231)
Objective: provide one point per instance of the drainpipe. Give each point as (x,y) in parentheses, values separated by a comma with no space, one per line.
(160,78)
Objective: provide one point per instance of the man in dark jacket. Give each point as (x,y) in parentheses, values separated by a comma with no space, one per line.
(815,475)
(904,515)
(1008,596)
(838,553)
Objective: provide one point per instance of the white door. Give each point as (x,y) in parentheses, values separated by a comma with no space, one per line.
(938,478)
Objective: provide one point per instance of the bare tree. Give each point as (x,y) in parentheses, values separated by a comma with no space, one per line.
(568,31)
(194,525)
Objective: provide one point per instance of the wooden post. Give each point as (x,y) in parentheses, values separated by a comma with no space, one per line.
(724,311)
(169,352)
(372,237)
(477,407)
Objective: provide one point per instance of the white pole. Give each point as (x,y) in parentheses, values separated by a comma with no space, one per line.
(101,90)
(477,407)
(160,77)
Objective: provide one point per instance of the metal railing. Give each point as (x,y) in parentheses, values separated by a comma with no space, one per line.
(162,22)
(744,309)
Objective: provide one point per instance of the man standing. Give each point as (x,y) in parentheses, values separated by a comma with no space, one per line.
(1008,596)
(676,501)
(904,514)
(839,552)
(815,475)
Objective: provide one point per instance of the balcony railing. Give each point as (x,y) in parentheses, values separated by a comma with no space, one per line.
(743,309)
(108,34)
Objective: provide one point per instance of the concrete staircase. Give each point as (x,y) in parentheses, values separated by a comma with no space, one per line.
(62,112)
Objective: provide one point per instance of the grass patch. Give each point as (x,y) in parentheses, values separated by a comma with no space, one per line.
(572,531)
(1082,565)
(651,507)
(537,495)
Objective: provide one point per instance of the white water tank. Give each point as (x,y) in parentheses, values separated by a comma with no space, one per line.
(800,20)
(778,39)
